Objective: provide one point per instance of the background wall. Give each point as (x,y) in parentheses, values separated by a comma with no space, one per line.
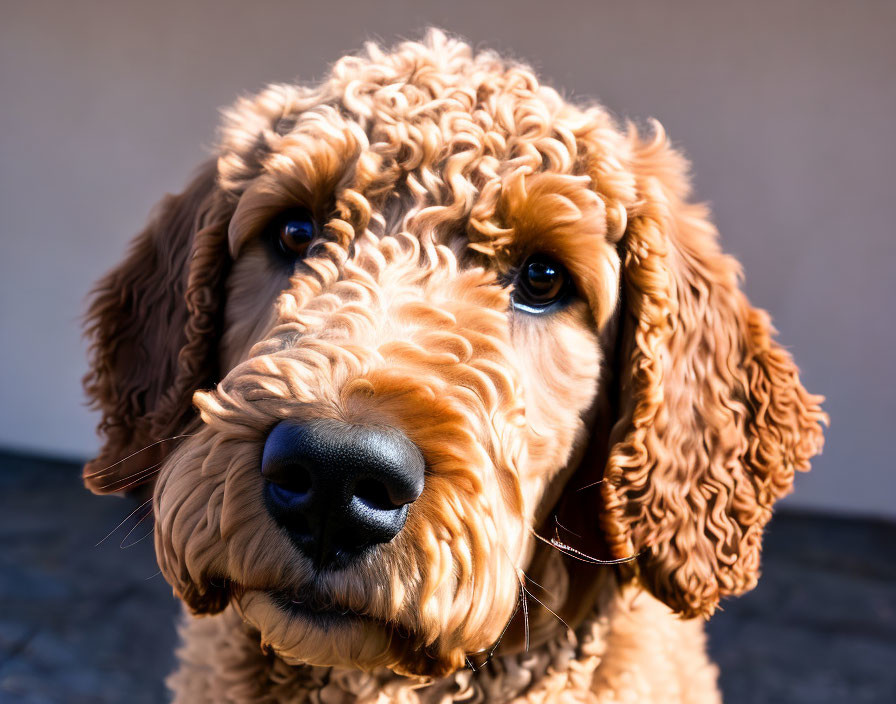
(786,109)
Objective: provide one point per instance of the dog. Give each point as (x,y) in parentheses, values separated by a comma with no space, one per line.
(444,391)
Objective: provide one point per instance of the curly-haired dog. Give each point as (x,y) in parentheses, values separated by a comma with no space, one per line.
(447,393)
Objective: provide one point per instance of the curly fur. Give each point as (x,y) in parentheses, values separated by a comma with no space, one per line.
(651,423)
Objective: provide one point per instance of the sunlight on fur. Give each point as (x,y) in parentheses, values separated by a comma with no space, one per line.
(646,418)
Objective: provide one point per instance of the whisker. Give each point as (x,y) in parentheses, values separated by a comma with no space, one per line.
(588,486)
(137,452)
(525,603)
(529,579)
(124,520)
(579,555)
(122,546)
(550,610)
(139,540)
(520,601)
(138,478)
(494,648)
(557,524)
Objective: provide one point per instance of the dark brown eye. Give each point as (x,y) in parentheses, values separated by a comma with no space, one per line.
(293,232)
(541,282)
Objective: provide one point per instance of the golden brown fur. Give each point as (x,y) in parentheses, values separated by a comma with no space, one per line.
(651,422)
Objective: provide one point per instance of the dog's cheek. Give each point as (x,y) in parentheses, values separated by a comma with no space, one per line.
(188,549)
(462,551)
(210,523)
(560,361)
(251,309)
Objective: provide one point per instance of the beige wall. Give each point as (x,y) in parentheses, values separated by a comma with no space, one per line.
(786,108)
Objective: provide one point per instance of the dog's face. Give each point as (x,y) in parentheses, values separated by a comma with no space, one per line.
(427,288)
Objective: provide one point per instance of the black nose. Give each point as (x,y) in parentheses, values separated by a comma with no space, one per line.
(339,488)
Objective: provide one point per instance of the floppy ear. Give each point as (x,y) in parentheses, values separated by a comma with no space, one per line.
(713,421)
(153,328)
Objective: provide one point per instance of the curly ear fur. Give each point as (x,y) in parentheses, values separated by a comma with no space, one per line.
(153,326)
(713,421)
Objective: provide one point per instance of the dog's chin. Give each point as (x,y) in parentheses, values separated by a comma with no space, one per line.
(302,633)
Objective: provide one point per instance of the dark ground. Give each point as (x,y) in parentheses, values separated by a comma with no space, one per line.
(81,624)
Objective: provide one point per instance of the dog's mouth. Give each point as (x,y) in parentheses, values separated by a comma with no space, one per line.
(323,613)
(320,611)
(304,626)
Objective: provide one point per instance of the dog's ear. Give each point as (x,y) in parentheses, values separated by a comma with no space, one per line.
(153,327)
(712,418)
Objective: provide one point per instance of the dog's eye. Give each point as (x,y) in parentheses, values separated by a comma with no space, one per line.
(541,282)
(292,232)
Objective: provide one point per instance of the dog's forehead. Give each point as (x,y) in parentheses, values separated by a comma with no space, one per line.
(437,112)
(413,85)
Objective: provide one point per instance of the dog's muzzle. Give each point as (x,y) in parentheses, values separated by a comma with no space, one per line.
(338,489)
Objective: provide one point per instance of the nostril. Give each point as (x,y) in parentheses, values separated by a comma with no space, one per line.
(374,494)
(294,479)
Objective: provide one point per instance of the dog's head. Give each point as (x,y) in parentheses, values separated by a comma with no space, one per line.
(406,322)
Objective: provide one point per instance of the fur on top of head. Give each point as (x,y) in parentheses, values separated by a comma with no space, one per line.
(434,174)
